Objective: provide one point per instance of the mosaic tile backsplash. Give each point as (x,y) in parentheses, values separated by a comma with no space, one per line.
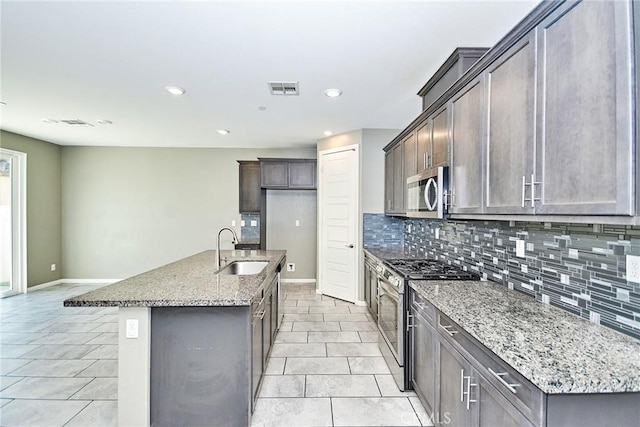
(382,231)
(579,268)
(250,233)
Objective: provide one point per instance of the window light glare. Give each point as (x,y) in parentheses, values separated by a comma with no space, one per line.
(333,93)
(175,90)
(327,133)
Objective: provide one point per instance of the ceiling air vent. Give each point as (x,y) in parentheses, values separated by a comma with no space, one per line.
(284,88)
(76,122)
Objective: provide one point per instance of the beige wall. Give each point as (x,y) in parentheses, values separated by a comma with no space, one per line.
(44,222)
(127,210)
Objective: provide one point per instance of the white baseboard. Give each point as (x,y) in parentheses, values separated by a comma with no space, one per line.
(59,281)
(298,281)
(361,303)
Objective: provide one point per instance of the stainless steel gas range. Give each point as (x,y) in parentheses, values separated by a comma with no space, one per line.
(393,310)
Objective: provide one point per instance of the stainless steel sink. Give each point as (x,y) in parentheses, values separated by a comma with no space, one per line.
(243,268)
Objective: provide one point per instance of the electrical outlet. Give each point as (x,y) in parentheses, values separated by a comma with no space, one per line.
(132,328)
(233,222)
(242,223)
(437,231)
(254,223)
(520,248)
(633,268)
(297,223)
(291,267)
(53,267)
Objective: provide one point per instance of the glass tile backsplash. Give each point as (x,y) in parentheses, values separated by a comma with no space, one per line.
(381,231)
(579,268)
(250,231)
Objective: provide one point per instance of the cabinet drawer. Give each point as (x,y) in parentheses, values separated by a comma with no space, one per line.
(526,397)
(421,306)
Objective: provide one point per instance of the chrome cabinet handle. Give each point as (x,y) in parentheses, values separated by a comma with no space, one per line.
(524,184)
(499,375)
(446,329)
(531,184)
(410,323)
(260,314)
(468,391)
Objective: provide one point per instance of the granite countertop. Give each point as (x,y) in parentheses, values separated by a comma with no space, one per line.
(555,350)
(191,281)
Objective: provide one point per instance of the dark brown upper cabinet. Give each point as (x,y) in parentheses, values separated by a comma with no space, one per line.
(288,174)
(250,190)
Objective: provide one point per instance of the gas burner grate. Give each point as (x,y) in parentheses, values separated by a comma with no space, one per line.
(428,269)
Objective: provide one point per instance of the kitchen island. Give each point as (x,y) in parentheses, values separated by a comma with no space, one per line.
(192,341)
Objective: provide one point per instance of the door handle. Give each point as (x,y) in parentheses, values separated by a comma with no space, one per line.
(349,246)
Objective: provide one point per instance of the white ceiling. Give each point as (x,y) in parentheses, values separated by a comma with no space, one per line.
(111,60)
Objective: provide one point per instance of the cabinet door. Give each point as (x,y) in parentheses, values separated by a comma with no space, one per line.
(495,410)
(388,182)
(256,356)
(423,375)
(249,187)
(423,142)
(440,139)
(266,325)
(510,133)
(274,174)
(585,110)
(454,375)
(409,154)
(466,153)
(302,174)
(399,183)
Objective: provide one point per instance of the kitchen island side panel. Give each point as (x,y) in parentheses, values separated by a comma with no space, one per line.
(200,372)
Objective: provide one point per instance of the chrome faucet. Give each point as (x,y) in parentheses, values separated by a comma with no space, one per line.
(234,240)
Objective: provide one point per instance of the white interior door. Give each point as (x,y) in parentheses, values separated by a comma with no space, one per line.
(12,222)
(338,201)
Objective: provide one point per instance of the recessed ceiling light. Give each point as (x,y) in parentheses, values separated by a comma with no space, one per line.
(175,90)
(50,120)
(333,93)
(104,122)
(224,131)
(327,133)
(262,108)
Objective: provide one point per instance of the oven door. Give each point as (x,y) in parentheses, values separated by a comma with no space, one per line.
(390,316)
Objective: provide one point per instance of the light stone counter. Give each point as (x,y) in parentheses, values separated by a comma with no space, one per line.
(190,281)
(555,350)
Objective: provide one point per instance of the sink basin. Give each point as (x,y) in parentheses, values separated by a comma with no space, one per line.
(243,268)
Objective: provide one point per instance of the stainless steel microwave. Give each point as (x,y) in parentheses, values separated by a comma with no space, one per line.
(427,192)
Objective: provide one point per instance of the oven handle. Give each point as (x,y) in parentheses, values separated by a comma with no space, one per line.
(386,289)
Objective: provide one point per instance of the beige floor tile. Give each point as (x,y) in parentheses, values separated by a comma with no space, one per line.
(368,336)
(422,414)
(295,310)
(299,350)
(359,326)
(353,349)
(373,411)
(389,388)
(316,326)
(341,386)
(357,317)
(289,412)
(334,337)
(275,366)
(316,365)
(303,318)
(368,365)
(291,337)
(311,303)
(329,309)
(282,386)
